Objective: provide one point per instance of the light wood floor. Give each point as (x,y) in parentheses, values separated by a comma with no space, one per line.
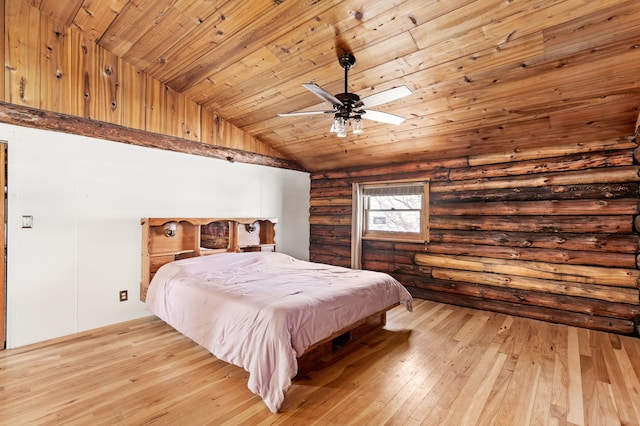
(438,365)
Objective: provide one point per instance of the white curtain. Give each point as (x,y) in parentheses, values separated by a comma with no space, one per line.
(356,226)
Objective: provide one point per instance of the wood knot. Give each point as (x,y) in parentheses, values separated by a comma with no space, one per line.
(23,87)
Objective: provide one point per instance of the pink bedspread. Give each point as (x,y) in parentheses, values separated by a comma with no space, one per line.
(260,311)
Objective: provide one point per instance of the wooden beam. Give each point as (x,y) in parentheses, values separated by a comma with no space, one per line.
(46,120)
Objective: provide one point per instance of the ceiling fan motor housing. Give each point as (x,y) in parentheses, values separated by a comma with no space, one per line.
(349,101)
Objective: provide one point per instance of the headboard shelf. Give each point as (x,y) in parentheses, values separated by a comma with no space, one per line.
(172,238)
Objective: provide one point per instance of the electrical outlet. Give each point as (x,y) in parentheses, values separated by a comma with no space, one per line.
(124,295)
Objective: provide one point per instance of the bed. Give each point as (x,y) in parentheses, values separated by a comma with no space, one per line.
(263,310)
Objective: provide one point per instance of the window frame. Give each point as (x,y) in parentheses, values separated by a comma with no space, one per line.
(421,236)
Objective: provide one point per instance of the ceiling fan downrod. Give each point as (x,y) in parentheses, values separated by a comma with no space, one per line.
(349,100)
(347,61)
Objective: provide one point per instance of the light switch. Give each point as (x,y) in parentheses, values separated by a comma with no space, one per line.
(27,221)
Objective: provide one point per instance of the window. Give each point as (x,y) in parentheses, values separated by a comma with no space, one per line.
(394,210)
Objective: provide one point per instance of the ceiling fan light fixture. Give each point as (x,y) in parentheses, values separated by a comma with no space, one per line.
(358,125)
(339,126)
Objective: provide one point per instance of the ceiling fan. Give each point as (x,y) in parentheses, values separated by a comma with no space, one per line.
(348,108)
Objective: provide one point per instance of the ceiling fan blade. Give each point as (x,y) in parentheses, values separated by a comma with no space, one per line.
(322,94)
(384,96)
(292,114)
(382,117)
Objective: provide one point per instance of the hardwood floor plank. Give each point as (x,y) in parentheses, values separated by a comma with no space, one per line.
(560,395)
(440,364)
(454,369)
(474,394)
(603,410)
(630,379)
(618,376)
(518,394)
(576,409)
(544,393)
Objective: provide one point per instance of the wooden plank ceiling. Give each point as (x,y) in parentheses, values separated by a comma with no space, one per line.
(487,75)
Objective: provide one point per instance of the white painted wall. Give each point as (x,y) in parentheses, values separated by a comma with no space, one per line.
(87,196)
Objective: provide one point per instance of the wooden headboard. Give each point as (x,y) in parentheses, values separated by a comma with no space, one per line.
(167,239)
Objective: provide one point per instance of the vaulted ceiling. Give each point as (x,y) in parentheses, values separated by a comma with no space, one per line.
(486,75)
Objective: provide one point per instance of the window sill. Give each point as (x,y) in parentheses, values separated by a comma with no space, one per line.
(398,238)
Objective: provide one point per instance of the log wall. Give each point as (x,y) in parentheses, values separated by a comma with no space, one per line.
(548,233)
(51,67)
